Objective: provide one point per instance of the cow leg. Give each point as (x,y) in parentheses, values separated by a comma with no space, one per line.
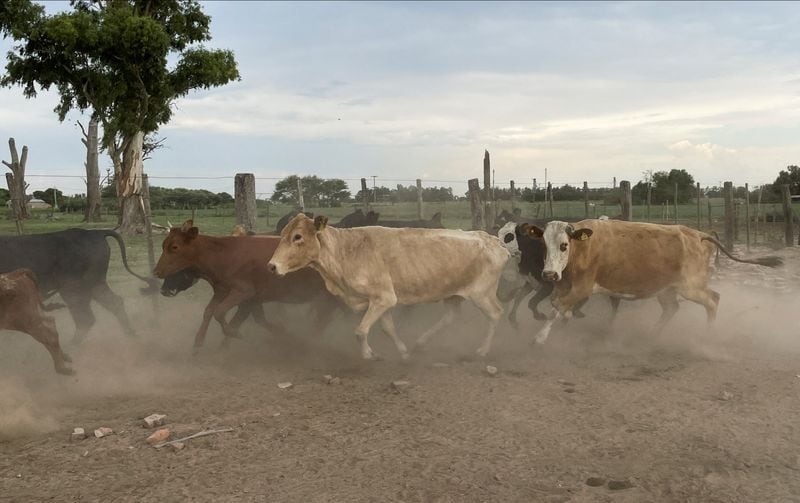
(490,307)
(208,312)
(707,297)
(522,292)
(451,304)
(669,304)
(324,311)
(106,297)
(45,332)
(544,332)
(234,298)
(387,323)
(376,309)
(544,291)
(614,306)
(79,307)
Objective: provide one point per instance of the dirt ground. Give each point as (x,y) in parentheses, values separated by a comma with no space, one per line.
(692,415)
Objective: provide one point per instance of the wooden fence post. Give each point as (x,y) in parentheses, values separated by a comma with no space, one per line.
(365,194)
(513,197)
(533,191)
(475,204)
(758,212)
(549,199)
(16,182)
(144,200)
(788,216)
(747,214)
(245,195)
(676,203)
(300,200)
(14,203)
(649,198)
(736,211)
(727,194)
(585,199)
(710,220)
(698,206)
(626,200)
(488,213)
(419,199)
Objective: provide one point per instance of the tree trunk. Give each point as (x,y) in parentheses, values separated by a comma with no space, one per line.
(128,170)
(92,212)
(16,182)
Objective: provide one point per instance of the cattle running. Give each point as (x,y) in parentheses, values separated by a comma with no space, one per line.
(373,269)
(236,268)
(21,309)
(629,260)
(73,263)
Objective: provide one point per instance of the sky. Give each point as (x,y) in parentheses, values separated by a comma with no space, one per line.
(584,91)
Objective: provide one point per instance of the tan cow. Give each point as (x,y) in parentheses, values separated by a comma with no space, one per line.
(372,269)
(629,260)
(21,309)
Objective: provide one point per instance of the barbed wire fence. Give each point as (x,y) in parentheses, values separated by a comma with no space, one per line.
(533,198)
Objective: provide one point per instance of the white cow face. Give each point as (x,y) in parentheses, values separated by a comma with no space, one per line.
(558,238)
(508,236)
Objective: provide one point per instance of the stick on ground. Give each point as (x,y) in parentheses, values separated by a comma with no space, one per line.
(196,435)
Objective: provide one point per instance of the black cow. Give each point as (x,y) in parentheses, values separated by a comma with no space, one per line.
(285,219)
(434,223)
(73,263)
(357,219)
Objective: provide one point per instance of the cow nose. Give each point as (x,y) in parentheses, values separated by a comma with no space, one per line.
(549,275)
(272,267)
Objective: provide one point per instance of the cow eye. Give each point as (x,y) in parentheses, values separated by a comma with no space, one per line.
(563,247)
(173,248)
(509,238)
(297,237)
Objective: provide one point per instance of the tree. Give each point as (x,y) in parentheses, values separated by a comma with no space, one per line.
(47,196)
(316,190)
(90,141)
(663,187)
(789,176)
(111,57)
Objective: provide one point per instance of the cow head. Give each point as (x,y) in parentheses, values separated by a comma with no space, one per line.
(558,238)
(299,245)
(178,282)
(177,250)
(507,235)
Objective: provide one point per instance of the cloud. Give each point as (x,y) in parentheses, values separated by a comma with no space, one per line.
(707,150)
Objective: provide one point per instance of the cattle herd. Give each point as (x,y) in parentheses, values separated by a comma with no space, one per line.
(369,266)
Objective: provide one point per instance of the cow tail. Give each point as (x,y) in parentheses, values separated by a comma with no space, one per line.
(151,282)
(768,261)
(716,257)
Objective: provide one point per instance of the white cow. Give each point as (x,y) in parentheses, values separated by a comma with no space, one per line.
(372,269)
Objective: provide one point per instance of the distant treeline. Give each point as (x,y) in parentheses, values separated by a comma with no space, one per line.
(319,192)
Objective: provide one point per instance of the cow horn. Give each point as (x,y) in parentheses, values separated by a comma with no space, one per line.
(169,224)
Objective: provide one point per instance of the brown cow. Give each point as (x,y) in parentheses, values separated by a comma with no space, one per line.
(236,269)
(21,309)
(629,260)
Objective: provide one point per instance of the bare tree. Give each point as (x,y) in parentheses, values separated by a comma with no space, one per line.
(16,180)
(93,201)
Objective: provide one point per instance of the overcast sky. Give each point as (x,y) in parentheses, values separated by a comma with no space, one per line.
(418,90)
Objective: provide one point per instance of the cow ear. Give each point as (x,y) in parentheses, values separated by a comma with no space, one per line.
(581,234)
(192,233)
(535,232)
(320,223)
(187,225)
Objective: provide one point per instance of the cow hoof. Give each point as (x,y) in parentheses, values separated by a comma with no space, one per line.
(482,352)
(539,340)
(65,371)
(196,350)
(539,316)
(405,355)
(65,357)
(578,314)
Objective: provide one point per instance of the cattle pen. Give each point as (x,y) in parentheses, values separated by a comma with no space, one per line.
(601,412)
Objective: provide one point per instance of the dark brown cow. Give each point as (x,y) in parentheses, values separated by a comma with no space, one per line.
(238,274)
(21,309)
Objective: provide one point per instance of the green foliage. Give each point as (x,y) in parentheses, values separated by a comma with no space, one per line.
(47,196)
(790,176)
(4,197)
(316,191)
(180,198)
(663,188)
(111,57)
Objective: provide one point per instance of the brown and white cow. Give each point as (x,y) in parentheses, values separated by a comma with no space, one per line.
(238,274)
(21,309)
(372,269)
(629,260)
